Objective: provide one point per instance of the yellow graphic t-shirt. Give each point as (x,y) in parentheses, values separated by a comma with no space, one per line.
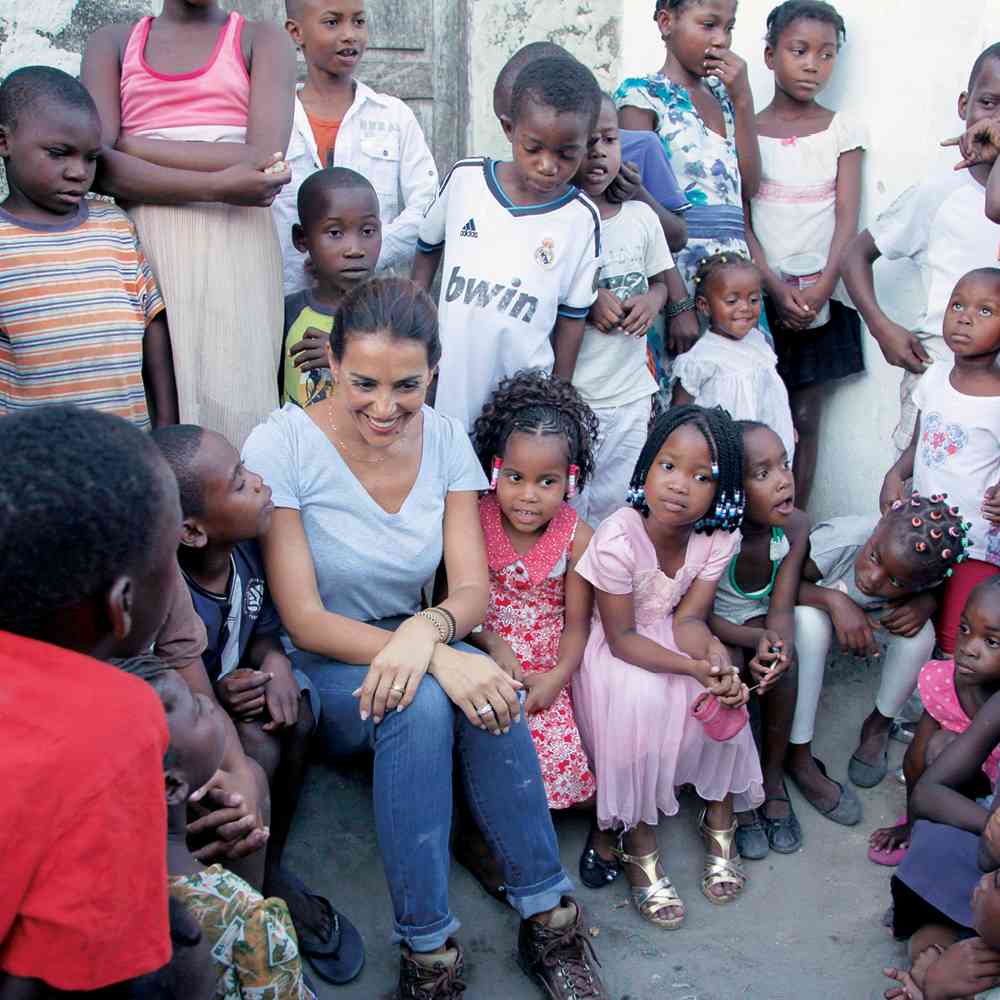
(294,384)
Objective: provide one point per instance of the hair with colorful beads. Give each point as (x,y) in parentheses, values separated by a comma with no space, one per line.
(718,263)
(787,13)
(931,534)
(725,444)
(534,402)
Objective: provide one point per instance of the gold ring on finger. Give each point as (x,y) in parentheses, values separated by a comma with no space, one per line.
(398,689)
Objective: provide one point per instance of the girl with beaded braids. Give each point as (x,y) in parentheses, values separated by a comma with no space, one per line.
(655,566)
(873,578)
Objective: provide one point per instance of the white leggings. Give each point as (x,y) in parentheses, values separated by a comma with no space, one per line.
(902,660)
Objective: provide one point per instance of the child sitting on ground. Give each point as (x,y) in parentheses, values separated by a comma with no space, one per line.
(941,225)
(755,614)
(611,373)
(341,122)
(952,692)
(521,244)
(732,365)
(339,228)
(253,941)
(955,449)
(873,577)
(226,507)
(82,317)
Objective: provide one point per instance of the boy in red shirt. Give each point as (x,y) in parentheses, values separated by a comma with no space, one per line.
(89,525)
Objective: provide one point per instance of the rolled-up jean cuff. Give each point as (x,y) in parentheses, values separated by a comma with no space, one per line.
(529,900)
(428,938)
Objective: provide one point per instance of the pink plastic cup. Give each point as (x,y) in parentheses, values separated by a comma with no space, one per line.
(721,722)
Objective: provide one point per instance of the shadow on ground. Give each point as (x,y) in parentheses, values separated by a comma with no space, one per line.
(808,927)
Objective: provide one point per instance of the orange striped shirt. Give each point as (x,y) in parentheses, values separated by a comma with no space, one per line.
(75,301)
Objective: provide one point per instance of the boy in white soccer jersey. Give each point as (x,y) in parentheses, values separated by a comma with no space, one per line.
(521,244)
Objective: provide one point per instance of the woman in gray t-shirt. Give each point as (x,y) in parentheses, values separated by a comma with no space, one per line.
(371,488)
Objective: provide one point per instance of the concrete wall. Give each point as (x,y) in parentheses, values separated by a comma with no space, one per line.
(590,29)
(905,63)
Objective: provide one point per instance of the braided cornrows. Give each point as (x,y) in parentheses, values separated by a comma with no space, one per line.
(931,534)
(709,267)
(725,444)
(534,402)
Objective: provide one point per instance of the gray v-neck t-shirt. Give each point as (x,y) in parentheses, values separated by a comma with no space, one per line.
(370,564)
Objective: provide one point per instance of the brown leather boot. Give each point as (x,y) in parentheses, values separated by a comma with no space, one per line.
(431,977)
(559,955)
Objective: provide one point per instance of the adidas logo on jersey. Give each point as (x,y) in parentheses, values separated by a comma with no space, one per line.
(469,229)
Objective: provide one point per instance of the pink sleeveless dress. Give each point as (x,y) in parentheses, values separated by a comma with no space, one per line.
(636,723)
(218,266)
(527,608)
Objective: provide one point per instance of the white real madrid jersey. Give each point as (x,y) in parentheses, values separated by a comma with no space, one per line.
(508,272)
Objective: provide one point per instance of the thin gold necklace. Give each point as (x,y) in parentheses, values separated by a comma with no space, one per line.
(343,447)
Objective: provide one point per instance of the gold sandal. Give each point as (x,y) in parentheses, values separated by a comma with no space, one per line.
(658,895)
(721,870)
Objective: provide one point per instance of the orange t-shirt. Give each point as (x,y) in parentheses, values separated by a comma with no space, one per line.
(325,134)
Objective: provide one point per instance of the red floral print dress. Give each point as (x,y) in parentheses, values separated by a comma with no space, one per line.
(527,608)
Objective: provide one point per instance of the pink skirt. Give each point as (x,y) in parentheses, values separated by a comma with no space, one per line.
(643,743)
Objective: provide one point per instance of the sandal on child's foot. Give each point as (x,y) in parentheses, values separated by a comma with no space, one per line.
(596,872)
(722,868)
(658,895)
(751,839)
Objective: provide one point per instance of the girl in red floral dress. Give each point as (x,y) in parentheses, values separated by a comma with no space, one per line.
(535,439)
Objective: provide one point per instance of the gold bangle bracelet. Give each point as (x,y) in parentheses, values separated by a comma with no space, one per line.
(438,621)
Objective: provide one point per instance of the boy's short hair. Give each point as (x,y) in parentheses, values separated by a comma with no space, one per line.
(557,82)
(313,192)
(512,69)
(993,52)
(179,444)
(81,495)
(25,89)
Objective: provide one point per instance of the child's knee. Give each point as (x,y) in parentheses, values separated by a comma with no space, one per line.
(262,747)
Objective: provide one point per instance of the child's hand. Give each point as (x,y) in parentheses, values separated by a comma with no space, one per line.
(282,694)
(966,969)
(978,144)
(504,657)
(229,813)
(543,689)
(855,630)
(730,69)
(903,349)
(794,309)
(310,351)
(626,183)
(250,183)
(991,504)
(907,617)
(907,989)
(606,312)
(769,662)
(815,299)
(639,313)
(722,679)
(893,489)
(684,332)
(243,693)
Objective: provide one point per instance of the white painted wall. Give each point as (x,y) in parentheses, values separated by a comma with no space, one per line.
(903,67)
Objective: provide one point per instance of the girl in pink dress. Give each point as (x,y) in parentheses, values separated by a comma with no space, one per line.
(952,692)
(655,566)
(535,440)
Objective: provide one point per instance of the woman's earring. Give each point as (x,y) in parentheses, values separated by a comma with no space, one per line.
(497,466)
(574,471)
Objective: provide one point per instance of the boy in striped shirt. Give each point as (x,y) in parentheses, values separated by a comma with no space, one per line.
(81,317)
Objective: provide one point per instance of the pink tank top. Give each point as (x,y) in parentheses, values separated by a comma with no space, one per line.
(216,94)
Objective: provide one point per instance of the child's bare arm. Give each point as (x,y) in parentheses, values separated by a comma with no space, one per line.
(848,208)
(425,265)
(993,193)
(792,308)
(901,470)
(566,339)
(578,608)
(743,636)
(158,372)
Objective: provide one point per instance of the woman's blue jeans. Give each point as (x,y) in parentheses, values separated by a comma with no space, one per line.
(412,788)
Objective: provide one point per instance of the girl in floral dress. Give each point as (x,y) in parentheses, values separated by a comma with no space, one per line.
(700,105)
(535,439)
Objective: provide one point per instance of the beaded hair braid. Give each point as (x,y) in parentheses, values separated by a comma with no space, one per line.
(533,402)
(725,444)
(931,533)
(715,264)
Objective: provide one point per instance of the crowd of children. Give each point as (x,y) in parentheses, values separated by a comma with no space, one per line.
(639,313)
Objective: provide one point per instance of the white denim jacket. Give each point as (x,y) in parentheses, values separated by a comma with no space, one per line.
(380,138)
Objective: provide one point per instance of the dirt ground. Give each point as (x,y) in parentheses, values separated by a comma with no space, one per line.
(809,925)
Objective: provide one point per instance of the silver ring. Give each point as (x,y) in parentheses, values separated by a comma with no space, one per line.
(485,710)
(398,689)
